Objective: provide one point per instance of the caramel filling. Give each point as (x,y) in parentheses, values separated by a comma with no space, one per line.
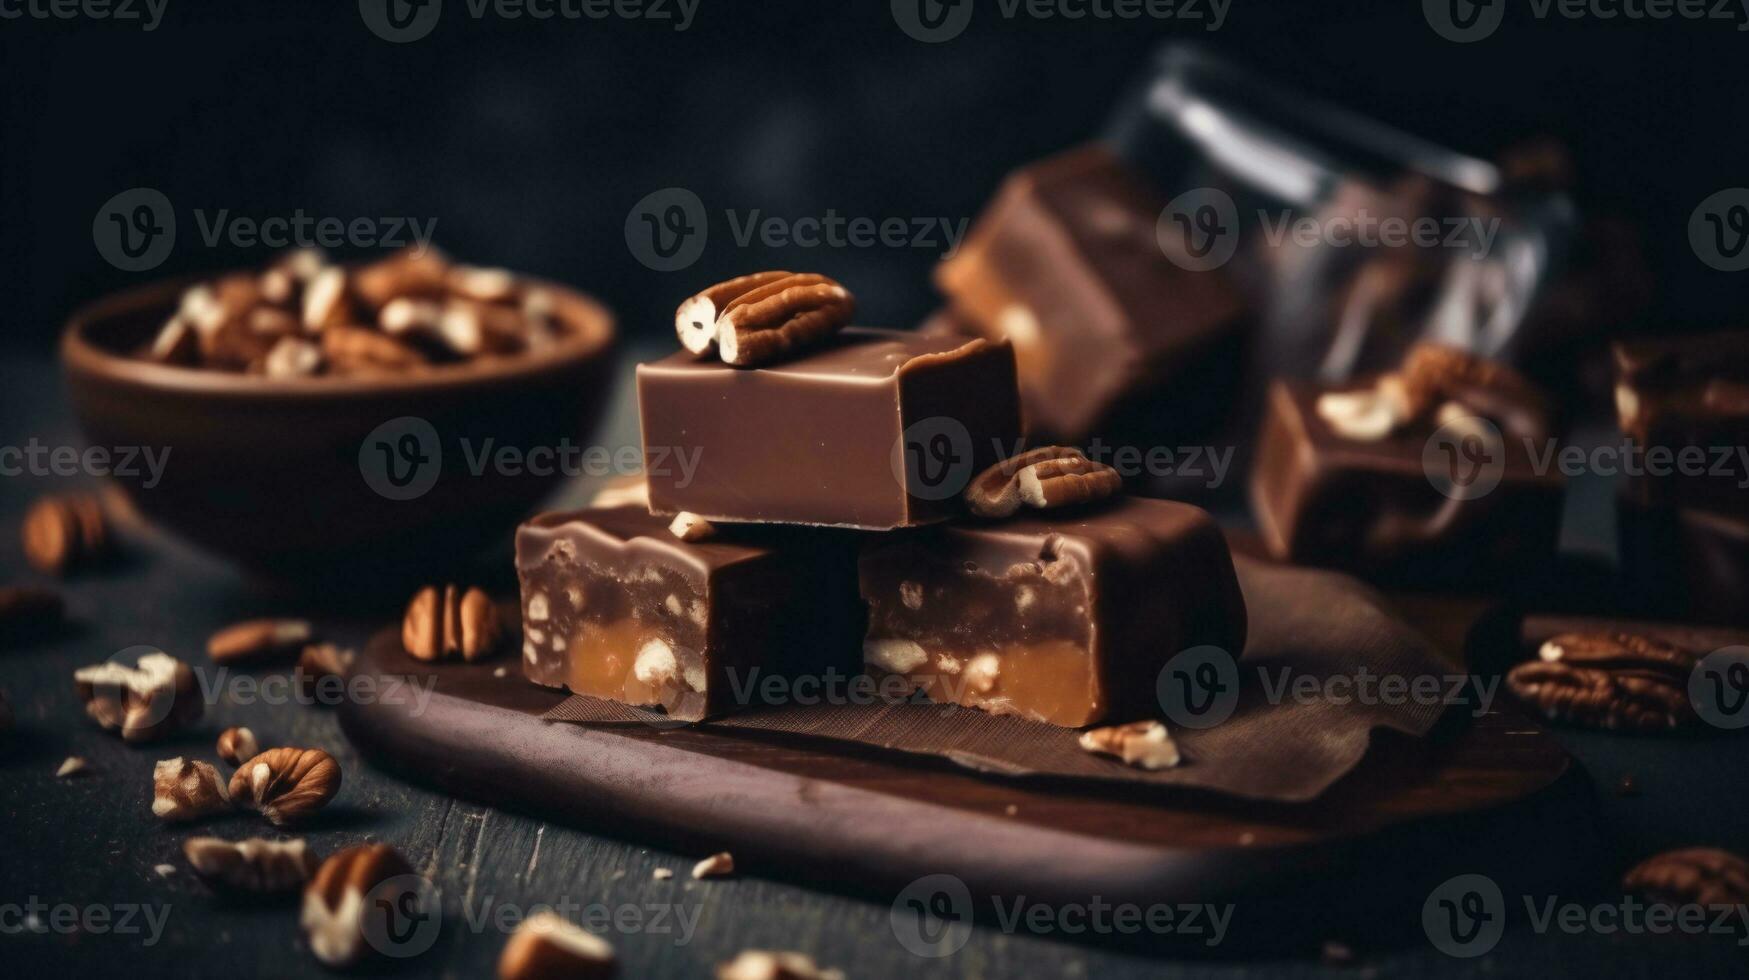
(1048,680)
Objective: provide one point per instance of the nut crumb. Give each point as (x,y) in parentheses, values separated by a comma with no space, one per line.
(911,594)
(1143,744)
(164,870)
(690,527)
(662,874)
(982,672)
(898,656)
(500,672)
(717,865)
(73,766)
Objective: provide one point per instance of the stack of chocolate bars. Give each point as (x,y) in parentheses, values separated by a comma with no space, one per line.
(863,501)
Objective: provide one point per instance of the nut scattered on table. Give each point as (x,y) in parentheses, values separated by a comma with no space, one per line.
(318,662)
(237,746)
(547,946)
(718,865)
(1704,876)
(690,527)
(254,865)
(145,702)
(187,789)
(450,622)
(1143,744)
(72,765)
(336,913)
(760,964)
(1044,478)
(256,640)
(1613,681)
(286,784)
(24,609)
(65,532)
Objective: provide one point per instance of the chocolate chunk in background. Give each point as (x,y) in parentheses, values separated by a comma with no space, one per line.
(875,429)
(1687,395)
(616,606)
(1306,622)
(1066,265)
(1065,617)
(1372,507)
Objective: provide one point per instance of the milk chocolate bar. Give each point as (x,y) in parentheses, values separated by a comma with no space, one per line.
(1687,396)
(1065,264)
(1065,618)
(1426,503)
(615,605)
(874,429)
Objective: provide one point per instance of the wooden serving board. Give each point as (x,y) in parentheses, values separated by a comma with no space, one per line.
(1498,797)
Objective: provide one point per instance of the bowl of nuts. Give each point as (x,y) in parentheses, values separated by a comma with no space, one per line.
(312,419)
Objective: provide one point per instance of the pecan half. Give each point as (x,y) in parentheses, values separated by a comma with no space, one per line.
(449,622)
(339,904)
(1143,744)
(143,702)
(1630,700)
(1619,651)
(1046,477)
(696,319)
(1692,876)
(287,784)
(64,532)
(254,866)
(547,945)
(258,639)
(187,789)
(778,318)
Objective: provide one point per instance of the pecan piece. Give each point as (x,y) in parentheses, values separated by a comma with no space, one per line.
(1143,744)
(450,622)
(187,789)
(782,317)
(64,532)
(548,945)
(340,908)
(718,865)
(688,526)
(1046,477)
(1692,876)
(252,866)
(360,350)
(696,319)
(1631,700)
(1619,651)
(258,639)
(287,784)
(237,746)
(143,702)
(318,662)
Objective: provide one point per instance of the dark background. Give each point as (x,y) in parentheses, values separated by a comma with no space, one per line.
(529,140)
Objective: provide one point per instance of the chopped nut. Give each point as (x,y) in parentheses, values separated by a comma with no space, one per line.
(24,609)
(759,964)
(897,656)
(662,874)
(1144,744)
(777,318)
(1365,415)
(258,639)
(1046,477)
(691,527)
(358,350)
(538,610)
(718,865)
(1704,876)
(655,663)
(237,746)
(318,662)
(143,703)
(982,672)
(164,870)
(325,300)
(547,945)
(187,789)
(339,908)
(250,866)
(286,785)
(73,765)
(176,343)
(485,285)
(292,358)
(65,532)
(450,623)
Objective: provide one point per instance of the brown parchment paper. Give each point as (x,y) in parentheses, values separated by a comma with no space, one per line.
(1313,624)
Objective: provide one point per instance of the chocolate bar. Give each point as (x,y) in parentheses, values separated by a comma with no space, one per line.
(1370,477)
(615,605)
(874,429)
(1066,265)
(1687,396)
(1065,618)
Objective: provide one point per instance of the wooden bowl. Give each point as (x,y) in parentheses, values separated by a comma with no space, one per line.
(276,473)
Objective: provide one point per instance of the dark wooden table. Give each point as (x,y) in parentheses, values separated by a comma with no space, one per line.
(89,844)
